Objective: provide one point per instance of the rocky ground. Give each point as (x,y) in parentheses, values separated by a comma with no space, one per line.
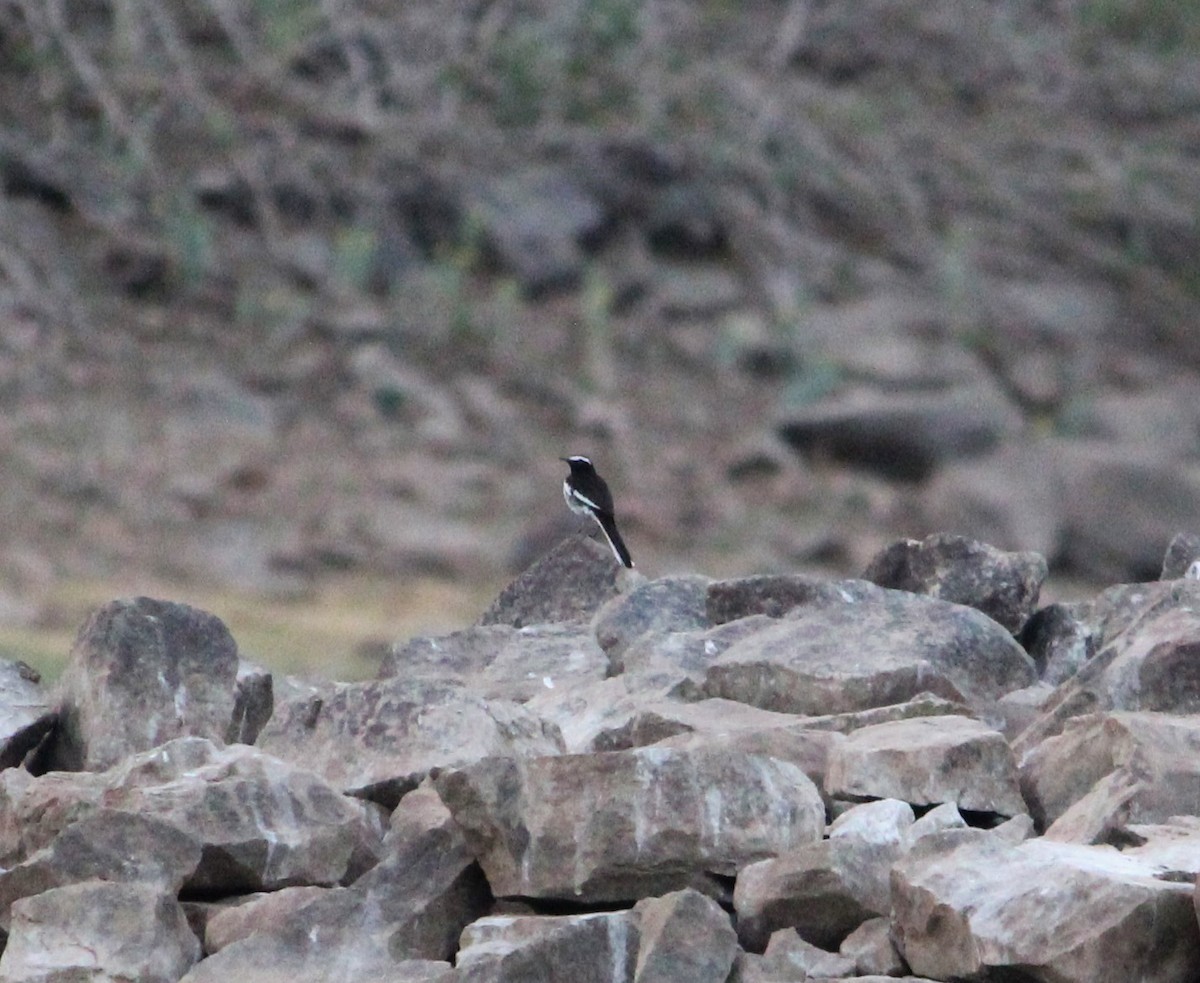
(288,295)
(920,774)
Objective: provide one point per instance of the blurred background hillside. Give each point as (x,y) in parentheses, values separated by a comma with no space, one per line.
(301,300)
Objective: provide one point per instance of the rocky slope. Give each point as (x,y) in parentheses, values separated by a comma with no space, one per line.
(917,774)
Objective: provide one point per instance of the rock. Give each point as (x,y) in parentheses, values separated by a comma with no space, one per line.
(262,823)
(400,920)
(871,949)
(570,583)
(1004,586)
(143,672)
(1182,553)
(668,604)
(683,936)
(379,739)
(927,761)
(266,912)
(773,595)
(967,905)
(906,436)
(825,890)
(870,647)
(1172,848)
(629,824)
(254,702)
(599,947)
(99,931)
(1106,771)
(499,661)
(684,655)
(1149,664)
(789,957)
(108,845)
(1059,640)
(27,714)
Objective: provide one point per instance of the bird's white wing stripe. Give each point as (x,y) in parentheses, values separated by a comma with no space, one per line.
(586,501)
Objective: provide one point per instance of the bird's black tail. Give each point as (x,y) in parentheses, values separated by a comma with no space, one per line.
(608,526)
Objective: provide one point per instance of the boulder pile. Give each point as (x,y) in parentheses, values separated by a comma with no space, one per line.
(919,774)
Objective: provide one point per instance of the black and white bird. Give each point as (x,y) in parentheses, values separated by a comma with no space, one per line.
(587,494)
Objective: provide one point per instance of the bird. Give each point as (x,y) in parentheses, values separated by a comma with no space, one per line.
(587,494)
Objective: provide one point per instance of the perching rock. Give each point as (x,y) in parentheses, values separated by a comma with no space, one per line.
(569,583)
(967,905)
(869,647)
(625,825)
(379,739)
(143,672)
(99,931)
(1004,586)
(926,761)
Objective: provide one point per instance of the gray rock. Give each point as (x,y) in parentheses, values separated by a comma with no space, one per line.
(261,823)
(379,739)
(1004,586)
(668,604)
(254,702)
(1106,771)
(870,647)
(683,936)
(143,672)
(570,583)
(107,845)
(773,595)
(1059,639)
(968,905)
(99,931)
(624,825)
(499,662)
(264,912)
(871,949)
(903,436)
(928,761)
(27,713)
(599,947)
(789,957)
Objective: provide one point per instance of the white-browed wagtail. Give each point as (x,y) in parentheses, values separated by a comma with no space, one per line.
(587,494)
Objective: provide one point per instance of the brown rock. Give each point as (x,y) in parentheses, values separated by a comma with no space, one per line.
(1182,552)
(772,595)
(254,702)
(570,583)
(1004,586)
(870,647)
(380,739)
(99,931)
(926,761)
(264,912)
(668,604)
(143,672)
(967,905)
(871,949)
(629,824)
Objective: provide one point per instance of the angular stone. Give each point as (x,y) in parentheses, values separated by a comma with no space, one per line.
(1150,638)
(143,672)
(1004,586)
(499,662)
(668,604)
(684,655)
(262,823)
(870,647)
(772,595)
(107,845)
(629,824)
(683,936)
(1105,771)
(264,912)
(871,949)
(379,739)
(788,957)
(1182,553)
(1059,641)
(599,947)
(27,713)
(99,931)
(927,761)
(569,583)
(967,905)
